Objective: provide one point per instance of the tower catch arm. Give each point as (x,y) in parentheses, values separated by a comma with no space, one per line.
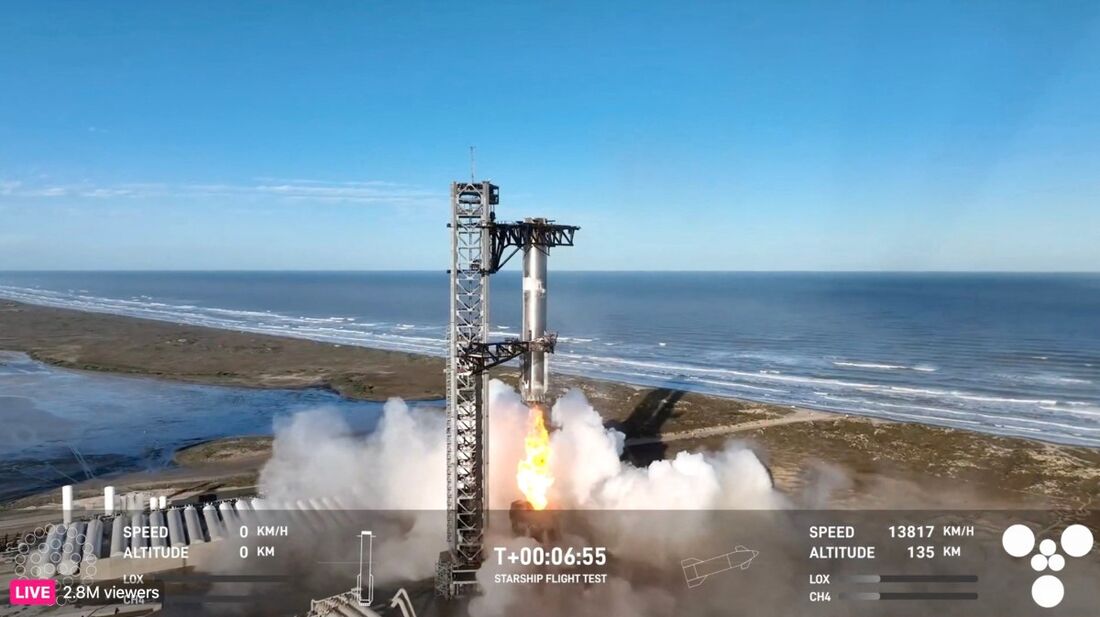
(532,232)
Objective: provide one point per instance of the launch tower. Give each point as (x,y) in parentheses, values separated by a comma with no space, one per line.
(480,246)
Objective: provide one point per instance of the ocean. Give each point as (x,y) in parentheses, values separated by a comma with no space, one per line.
(1011,354)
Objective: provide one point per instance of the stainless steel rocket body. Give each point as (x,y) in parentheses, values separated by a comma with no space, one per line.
(535,367)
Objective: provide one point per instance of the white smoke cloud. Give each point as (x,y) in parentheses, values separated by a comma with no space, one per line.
(589,473)
(402,466)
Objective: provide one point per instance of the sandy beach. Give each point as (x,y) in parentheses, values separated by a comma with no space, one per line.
(818,459)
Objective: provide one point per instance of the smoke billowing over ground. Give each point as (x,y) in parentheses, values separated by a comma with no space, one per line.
(401,466)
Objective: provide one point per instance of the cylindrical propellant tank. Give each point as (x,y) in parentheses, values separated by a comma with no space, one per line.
(108,500)
(323,519)
(176,536)
(229,519)
(93,540)
(536,371)
(156,521)
(213,523)
(244,511)
(259,508)
(138,521)
(194,527)
(301,513)
(336,508)
(118,539)
(67,503)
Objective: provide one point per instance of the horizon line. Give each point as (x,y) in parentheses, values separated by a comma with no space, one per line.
(609,271)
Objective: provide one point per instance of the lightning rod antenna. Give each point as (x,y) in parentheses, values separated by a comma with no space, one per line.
(473,165)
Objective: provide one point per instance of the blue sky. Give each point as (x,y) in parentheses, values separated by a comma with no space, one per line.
(748,136)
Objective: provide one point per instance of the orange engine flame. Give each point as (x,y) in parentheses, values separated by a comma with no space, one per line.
(533,474)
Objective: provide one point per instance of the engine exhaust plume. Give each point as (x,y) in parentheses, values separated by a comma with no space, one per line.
(533,473)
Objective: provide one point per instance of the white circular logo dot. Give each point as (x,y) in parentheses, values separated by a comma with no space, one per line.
(1077,540)
(1047,591)
(1047,547)
(1056,562)
(1018,540)
(1038,563)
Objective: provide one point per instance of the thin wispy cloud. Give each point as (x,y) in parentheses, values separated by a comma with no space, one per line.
(350,192)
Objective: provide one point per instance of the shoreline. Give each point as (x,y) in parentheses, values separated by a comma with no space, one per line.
(876,462)
(352,385)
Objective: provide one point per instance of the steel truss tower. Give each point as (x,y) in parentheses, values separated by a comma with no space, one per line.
(467,417)
(478,246)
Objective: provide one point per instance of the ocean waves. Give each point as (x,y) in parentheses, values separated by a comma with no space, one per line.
(1035,390)
(341,330)
(885,367)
